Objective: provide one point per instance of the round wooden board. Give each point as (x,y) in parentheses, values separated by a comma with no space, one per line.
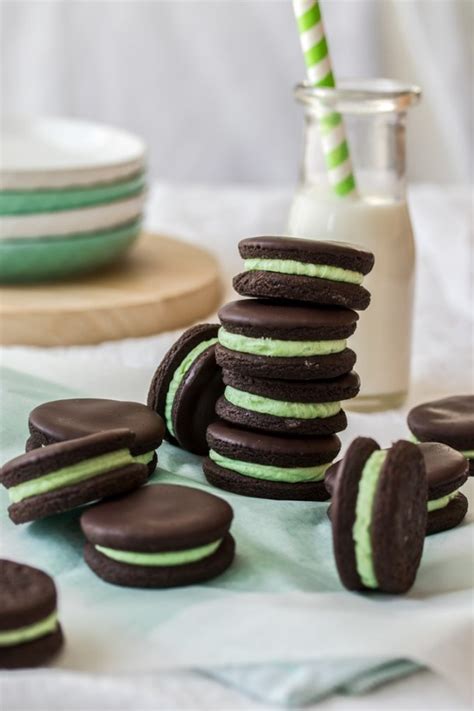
(161,285)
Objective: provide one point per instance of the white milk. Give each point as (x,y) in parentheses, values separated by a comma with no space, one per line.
(383,337)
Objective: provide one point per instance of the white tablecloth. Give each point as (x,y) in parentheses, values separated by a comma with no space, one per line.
(217,219)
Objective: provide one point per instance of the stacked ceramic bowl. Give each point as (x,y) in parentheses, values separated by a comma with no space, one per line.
(71,197)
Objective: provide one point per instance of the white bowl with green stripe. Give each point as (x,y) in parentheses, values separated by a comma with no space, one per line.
(26,202)
(94,218)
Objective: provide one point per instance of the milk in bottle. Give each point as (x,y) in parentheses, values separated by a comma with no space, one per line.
(376,217)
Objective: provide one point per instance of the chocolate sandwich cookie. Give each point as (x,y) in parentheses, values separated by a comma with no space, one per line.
(186,386)
(379,515)
(61,420)
(449,420)
(158,537)
(288,406)
(30,634)
(446,472)
(265,339)
(268,466)
(304,270)
(59,477)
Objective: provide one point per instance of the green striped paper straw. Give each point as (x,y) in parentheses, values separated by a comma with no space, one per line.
(319,70)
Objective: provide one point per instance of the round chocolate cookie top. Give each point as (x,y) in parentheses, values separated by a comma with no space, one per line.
(195,399)
(27,595)
(337,254)
(260,318)
(449,420)
(61,420)
(156,518)
(275,450)
(446,468)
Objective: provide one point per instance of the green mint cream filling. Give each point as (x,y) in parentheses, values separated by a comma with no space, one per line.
(143,458)
(191,555)
(20,635)
(279,408)
(278,348)
(178,377)
(290,475)
(361,532)
(289,266)
(435,504)
(75,473)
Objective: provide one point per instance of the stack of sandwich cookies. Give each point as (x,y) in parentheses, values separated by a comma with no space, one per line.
(186,386)
(62,420)
(449,420)
(59,477)
(378,516)
(304,270)
(287,406)
(160,536)
(286,366)
(267,339)
(266,465)
(30,634)
(446,472)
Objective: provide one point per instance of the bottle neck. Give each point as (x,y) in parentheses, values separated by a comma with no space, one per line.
(377,146)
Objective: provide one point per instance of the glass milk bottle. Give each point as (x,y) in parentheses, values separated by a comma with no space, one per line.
(378,219)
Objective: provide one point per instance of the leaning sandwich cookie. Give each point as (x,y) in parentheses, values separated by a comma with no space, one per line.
(160,536)
(30,634)
(286,406)
(446,472)
(449,420)
(265,339)
(268,466)
(62,420)
(378,516)
(62,476)
(304,270)
(186,386)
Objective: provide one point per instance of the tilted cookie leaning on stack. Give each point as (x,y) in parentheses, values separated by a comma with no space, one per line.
(186,386)
(286,367)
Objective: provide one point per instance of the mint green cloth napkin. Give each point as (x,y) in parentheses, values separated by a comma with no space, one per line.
(283,547)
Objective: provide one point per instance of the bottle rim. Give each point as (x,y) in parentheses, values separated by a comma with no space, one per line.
(360,96)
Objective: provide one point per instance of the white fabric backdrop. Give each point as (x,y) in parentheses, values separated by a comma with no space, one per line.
(208,83)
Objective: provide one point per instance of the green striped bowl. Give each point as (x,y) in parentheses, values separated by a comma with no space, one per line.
(48,258)
(26,202)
